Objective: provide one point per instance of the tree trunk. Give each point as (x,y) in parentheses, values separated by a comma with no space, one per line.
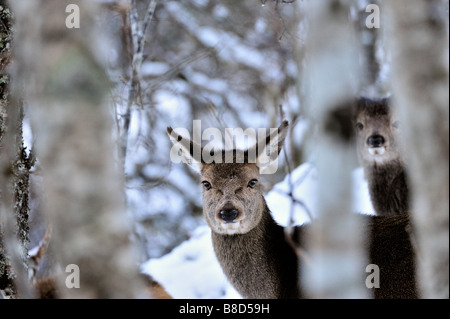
(372,84)
(15,166)
(419,46)
(6,273)
(67,90)
(336,254)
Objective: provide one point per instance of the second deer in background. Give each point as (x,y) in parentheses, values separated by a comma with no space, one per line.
(380,153)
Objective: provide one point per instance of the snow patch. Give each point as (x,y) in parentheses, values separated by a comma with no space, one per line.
(191,270)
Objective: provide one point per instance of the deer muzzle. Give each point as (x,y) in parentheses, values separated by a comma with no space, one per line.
(229,215)
(375,140)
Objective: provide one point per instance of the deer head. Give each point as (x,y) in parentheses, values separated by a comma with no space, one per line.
(233,202)
(378,132)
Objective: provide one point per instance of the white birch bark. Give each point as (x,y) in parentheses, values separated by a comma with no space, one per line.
(337,258)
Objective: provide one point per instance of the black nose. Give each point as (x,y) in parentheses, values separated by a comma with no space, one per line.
(228,215)
(375,140)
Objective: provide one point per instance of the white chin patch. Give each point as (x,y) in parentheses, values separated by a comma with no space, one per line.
(377,150)
(230,228)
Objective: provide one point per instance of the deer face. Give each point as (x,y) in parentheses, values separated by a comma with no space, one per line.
(378,132)
(233,202)
(232,199)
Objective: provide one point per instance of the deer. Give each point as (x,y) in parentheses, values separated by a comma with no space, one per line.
(380,153)
(250,246)
(256,256)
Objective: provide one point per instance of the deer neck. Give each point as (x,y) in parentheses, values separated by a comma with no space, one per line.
(256,262)
(388,188)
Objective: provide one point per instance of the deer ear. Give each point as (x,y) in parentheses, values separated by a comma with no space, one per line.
(185,150)
(268,148)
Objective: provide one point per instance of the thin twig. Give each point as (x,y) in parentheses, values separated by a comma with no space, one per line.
(138,35)
(289,231)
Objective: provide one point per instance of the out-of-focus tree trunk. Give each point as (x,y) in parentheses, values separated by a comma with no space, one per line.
(6,273)
(67,90)
(15,167)
(336,252)
(419,45)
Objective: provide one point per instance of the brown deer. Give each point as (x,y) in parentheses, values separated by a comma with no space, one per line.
(380,152)
(249,245)
(252,248)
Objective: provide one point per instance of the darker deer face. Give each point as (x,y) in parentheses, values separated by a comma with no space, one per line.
(233,202)
(378,132)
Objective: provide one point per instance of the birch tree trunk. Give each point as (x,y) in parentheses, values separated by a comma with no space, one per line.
(337,258)
(67,91)
(419,44)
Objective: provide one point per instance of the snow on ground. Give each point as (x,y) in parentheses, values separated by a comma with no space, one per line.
(192,271)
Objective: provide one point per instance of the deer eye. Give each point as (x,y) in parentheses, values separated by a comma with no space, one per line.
(396,124)
(252,183)
(359,126)
(207,185)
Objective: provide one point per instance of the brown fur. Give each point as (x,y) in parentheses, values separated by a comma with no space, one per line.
(389,246)
(388,189)
(386,173)
(259,264)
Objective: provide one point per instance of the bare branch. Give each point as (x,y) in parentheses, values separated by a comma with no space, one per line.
(138,35)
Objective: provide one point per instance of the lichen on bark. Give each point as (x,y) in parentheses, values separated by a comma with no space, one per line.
(15,173)
(6,275)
